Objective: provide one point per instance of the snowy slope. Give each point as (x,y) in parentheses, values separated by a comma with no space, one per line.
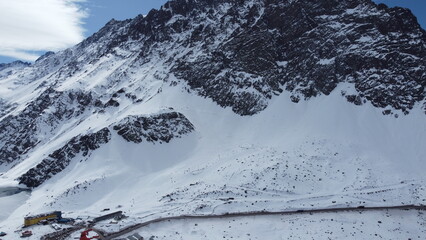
(146,117)
(281,163)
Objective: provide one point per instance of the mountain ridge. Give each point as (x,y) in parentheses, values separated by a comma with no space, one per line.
(269,47)
(374,65)
(274,104)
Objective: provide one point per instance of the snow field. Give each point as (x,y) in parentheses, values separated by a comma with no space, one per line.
(319,153)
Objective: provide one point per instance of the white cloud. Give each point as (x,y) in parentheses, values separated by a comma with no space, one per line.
(39,25)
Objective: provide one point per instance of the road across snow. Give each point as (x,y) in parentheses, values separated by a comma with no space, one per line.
(166,228)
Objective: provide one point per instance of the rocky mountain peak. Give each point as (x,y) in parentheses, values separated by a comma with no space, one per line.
(206,106)
(210,107)
(13,64)
(239,53)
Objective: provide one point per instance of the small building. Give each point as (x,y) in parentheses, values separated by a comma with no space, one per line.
(108,216)
(31,220)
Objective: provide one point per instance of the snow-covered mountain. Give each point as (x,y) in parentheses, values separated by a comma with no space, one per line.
(221,106)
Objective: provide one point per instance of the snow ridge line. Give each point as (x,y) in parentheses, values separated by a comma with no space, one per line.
(261,213)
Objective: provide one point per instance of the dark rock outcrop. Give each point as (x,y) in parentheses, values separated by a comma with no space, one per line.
(307,48)
(20,133)
(161,127)
(61,158)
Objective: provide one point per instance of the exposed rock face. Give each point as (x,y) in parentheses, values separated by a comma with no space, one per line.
(61,158)
(18,133)
(22,132)
(239,53)
(242,53)
(5,108)
(306,47)
(162,127)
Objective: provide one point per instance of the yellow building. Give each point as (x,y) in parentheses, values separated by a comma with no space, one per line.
(31,220)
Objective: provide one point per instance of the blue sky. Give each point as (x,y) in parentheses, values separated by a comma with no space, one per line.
(58,24)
